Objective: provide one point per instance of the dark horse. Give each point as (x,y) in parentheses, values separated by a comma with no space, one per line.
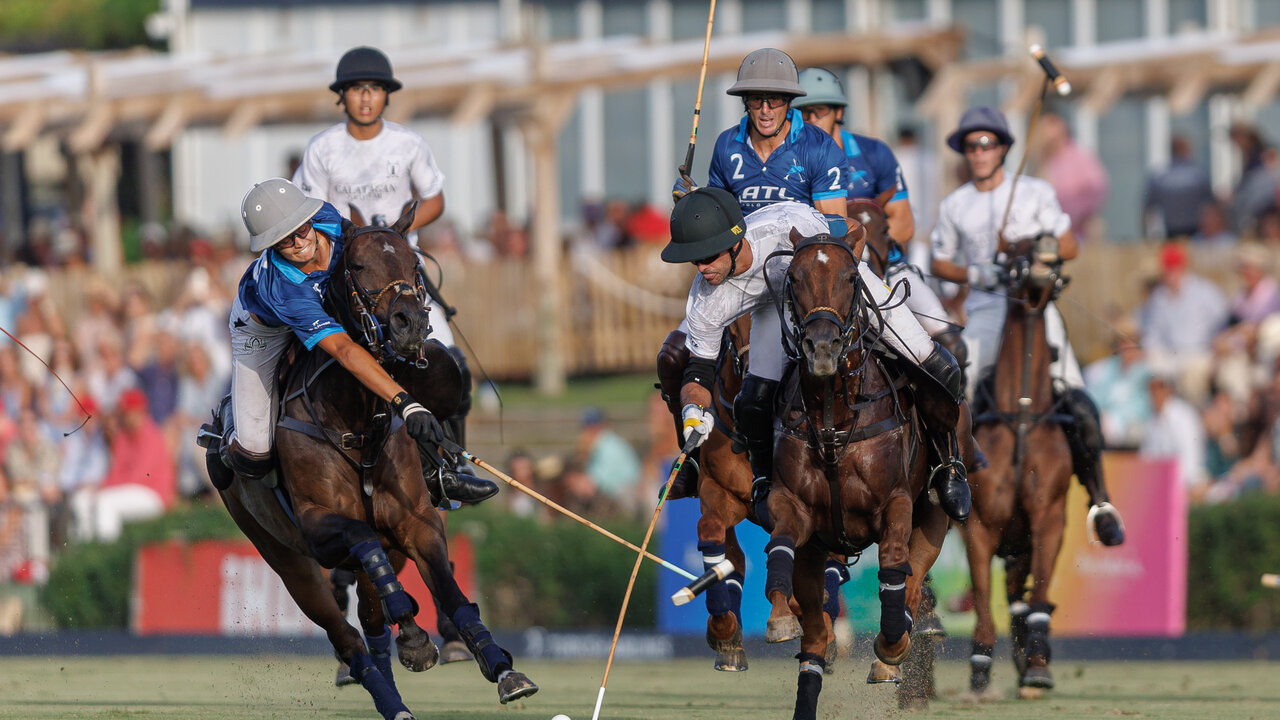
(850,464)
(351,491)
(1019,501)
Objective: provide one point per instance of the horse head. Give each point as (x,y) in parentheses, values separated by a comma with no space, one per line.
(823,288)
(871,216)
(382,296)
(1035,271)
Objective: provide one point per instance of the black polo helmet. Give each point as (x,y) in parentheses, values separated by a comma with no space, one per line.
(705,222)
(364,64)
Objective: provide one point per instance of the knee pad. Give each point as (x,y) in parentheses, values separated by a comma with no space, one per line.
(464,406)
(754,409)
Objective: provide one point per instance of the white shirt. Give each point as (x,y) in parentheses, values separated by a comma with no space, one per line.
(1176,432)
(711,308)
(375,176)
(969,222)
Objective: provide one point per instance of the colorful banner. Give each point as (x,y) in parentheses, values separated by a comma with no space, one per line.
(1136,589)
(225,588)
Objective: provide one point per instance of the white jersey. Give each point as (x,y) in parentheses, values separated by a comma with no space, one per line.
(711,308)
(378,176)
(969,221)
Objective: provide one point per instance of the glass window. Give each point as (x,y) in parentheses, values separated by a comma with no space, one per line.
(683,96)
(562,20)
(892,10)
(763,15)
(1187,12)
(625,17)
(689,19)
(569,155)
(1120,20)
(1123,149)
(981,22)
(1054,18)
(626,149)
(1266,13)
(827,16)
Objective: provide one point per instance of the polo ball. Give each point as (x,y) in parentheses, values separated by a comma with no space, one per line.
(561,717)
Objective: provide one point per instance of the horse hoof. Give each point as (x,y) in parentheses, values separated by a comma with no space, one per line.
(454,651)
(888,655)
(782,629)
(417,655)
(734,660)
(344,677)
(1037,677)
(1108,527)
(830,658)
(405,715)
(882,673)
(515,685)
(729,644)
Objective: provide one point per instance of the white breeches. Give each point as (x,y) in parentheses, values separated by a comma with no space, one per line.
(101,514)
(983,334)
(922,300)
(255,354)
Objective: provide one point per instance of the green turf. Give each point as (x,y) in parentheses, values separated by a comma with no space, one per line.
(222,688)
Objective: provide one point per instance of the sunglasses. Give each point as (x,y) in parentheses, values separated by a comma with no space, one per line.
(982,143)
(709,259)
(291,240)
(367,87)
(755,102)
(816,112)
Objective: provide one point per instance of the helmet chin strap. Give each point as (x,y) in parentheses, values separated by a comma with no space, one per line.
(785,117)
(994,170)
(733,259)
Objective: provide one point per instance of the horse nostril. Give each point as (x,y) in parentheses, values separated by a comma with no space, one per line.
(807,346)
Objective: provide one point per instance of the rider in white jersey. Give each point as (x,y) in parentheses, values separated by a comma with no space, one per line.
(966,242)
(707,229)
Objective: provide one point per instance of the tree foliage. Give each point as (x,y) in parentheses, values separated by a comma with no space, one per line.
(43,25)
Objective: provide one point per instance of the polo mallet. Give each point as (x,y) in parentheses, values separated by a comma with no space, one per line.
(687,593)
(569,513)
(1051,77)
(1271,580)
(626,599)
(686,168)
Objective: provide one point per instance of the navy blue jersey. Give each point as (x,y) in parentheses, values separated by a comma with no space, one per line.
(873,168)
(807,167)
(278,293)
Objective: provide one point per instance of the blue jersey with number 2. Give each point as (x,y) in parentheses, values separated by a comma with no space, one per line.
(807,167)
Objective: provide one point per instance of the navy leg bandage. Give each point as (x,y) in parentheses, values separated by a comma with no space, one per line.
(809,684)
(380,651)
(835,575)
(492,658)
(385,697)
(894,620)
(781,562)
(734,585)
(378,567)
(717,596)
(1038,630)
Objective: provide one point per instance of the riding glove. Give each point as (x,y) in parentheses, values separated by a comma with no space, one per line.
(684,185)
(985,276)
(419,421)
(698,423)
(1047,249)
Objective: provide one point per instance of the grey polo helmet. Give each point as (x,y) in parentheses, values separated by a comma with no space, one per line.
(274,208)
(767,71)
(822,87)
(980,118)
(705,222)
(364,64)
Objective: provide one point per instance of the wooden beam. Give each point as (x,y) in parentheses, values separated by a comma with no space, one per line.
(1105,90)
(1188,91)
(246,116)
(88,136)
(1262,89)
(476,104)
(25,128)
(161,133)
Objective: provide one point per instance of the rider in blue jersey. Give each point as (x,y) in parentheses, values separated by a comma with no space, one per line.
(280,297)
(772,156)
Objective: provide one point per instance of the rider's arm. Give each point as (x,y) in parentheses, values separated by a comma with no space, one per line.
(832,206)
(948,270)
(699,374)
(1068,249)
(428,211)
(902,226)
(360,363)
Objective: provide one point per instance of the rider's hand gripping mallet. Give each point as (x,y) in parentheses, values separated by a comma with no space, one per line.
(1271,580)
(712,576)
(626,599)
(686,168)
(569,513)
(1051,77)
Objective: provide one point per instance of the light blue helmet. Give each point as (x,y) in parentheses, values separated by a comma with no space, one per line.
(822,87)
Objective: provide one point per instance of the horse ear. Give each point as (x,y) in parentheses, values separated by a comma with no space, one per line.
(796,235)
(357,217)
(406,220)
(856,239)
(348,229)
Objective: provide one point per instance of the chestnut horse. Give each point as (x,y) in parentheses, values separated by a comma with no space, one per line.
(1019,500)
(850,466)
(350,490)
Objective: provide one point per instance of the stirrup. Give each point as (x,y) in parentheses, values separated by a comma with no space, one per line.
(208,436)
(1091,520)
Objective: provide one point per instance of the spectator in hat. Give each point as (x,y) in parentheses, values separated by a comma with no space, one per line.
(1180,319)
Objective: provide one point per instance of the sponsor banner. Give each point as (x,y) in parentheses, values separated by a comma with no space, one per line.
(215,587)
(1137,589)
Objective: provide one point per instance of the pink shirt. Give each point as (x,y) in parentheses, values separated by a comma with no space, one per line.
(1080,181)
(143,458)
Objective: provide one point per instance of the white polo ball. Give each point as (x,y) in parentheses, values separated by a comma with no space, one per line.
(561,717)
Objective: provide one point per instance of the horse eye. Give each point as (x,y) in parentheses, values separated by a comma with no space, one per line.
(356,267)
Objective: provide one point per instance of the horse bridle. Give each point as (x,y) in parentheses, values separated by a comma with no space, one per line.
(364,303)
(846,324)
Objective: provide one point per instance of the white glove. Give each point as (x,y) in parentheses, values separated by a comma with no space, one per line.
(985,276)
(698,423)
(1047,249)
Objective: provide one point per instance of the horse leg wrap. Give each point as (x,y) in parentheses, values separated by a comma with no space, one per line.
(781,554)
(733,585)
(380,651)
(1018,612)
(717,596)
(493,660)
(980,666)
(808,685)
(385,697)
(836,575)
(894,620)
(1038,630)
(378,567)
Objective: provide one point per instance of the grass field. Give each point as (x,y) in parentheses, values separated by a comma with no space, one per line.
(288,687)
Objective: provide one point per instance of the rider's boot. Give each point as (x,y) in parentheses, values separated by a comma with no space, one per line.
(672,359)
(447,486)
(1084,436)
(245,464)
(948,478)
(753,413)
